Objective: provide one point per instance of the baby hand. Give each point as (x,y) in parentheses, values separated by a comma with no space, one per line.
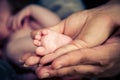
(15,22)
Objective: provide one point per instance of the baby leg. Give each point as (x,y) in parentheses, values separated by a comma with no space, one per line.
(48,41)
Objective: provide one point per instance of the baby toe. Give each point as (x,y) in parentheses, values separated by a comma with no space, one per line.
(36,42)
(40,51)
(44,32)
(38,37)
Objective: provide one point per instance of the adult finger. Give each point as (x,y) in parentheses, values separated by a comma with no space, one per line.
(86,70)
(32,60)
(94,64)
(74,45)
(102,55)
(24,57)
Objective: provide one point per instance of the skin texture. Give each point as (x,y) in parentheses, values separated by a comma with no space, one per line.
(48,41)
(95,48)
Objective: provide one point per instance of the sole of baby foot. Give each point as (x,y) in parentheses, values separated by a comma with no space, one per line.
(40,51)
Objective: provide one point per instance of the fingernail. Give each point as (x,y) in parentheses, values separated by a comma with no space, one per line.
(45,75)
(59,66)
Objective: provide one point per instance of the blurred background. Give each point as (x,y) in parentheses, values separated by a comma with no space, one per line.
(63,8)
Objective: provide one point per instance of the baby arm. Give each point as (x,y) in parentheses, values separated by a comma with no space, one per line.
(42,15)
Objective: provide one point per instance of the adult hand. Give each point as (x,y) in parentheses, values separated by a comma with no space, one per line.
(98,61)
(87,28)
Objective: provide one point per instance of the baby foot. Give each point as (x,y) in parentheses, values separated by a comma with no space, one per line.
(48,41)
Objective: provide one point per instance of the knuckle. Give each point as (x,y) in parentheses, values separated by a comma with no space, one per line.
(109,66)
(98,71)
(104,62)
(76,70)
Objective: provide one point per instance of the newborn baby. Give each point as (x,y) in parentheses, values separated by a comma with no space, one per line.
(46,40)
